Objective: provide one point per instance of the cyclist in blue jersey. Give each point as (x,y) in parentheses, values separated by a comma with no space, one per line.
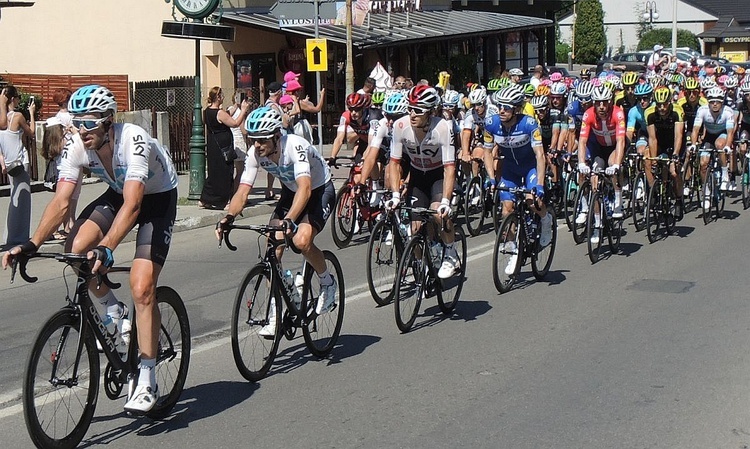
(576,109)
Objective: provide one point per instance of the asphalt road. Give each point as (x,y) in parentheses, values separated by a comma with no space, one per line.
(645,349)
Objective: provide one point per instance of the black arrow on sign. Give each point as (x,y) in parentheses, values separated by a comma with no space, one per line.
(316,51)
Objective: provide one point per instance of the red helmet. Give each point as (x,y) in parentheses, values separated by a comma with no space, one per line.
(357,101)
(423,96)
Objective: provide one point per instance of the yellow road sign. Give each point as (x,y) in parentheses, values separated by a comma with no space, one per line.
(317,55)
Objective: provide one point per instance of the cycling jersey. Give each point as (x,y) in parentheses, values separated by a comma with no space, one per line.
(664,125)
(135,157)
(434,151)
(718,124)
(744,108)
(689,111)
(475,123)
(575,115)
(621,100)
(298,158)
(559,118)
(517,144)
(637,117)
(361,128)
(528,109)
(380,134)
(545,126)
(605,131)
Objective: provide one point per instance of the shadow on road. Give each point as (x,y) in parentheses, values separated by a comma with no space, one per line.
(348,345)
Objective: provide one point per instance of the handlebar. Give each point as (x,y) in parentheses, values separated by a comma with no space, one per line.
(20,262)
(267,230)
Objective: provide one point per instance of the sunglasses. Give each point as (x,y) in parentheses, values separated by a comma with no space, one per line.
(88,124)
(694,92)
(356,109)
(602,103)
(644,99)
(260,140)
(416,111)
(505,107)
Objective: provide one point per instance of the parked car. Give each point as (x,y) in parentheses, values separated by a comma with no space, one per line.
(549,70)
(625,62)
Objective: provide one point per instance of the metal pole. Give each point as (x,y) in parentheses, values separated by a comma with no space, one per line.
(674,28)
(197,141)
(317,79)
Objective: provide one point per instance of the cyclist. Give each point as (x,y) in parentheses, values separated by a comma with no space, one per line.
(666,125)
(637,129)
(142,190)
(472,129)
(576,109)
(520,141)
(743,122)
(607,147)
(377,98)
(557,100)
(718,121)
(354,125)
(428,140)
(550,135)
(307,194)
(626,98)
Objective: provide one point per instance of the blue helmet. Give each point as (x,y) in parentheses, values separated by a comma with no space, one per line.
(396,104)
(90,99)
(263,122)
(643,89)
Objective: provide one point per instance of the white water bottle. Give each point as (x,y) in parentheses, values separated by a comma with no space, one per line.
(299,282)
(290,288)
(111,327)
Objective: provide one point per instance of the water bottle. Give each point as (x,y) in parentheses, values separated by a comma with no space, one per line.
(111,327)
(435,248)
(299,282)
(291,290)
(608,206)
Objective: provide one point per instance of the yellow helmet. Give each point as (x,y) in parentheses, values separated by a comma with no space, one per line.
(542,90)
(662,95)
(629,78)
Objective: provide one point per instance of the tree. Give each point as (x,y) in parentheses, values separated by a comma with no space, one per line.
(621,47)
(663,36)
(590,40)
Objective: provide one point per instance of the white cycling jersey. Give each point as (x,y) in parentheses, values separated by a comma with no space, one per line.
(722,123)
(379,131)
(136,157)
(434,151)
(298,158)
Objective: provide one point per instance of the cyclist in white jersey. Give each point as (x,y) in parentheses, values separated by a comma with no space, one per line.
(142,190)
(307,193)
(718,121)
(428,140)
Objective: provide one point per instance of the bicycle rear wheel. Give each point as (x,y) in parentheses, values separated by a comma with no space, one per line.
(59,399)
(690,184)
(655,214)
(451,287)
(322,331)
(474,206)
(542,260)
(570,191)
(709,193)
(345,217)
(592,230)
(254,308)
(384,252)
(583,198)
(507,254)
(173,358)
(410,282)
(638,201)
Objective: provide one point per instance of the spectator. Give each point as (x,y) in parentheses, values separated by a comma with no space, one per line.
(536,77)
(217,190)
(304,106)
(398,82)
(240,145)
(60,98)
(274,95)
(656,59)
(15,162)
(368,87)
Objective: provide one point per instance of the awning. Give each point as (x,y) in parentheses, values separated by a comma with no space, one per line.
(422,26)
(726,27)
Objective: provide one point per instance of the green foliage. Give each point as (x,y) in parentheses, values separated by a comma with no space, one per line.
(561,52)
(590,40)
(663,36)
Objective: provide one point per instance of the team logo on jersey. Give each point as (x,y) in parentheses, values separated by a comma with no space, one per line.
(489,120)
(537,134)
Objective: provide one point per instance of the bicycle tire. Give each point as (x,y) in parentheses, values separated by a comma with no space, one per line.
(49,347)
(322,331)
(451,288)
(689,182)
(579,230)
(708,191)
(510,231)
(173,359)
(594,249)
(410,283)
(384,254)
(344,217)
(250,313)
(474,206)
(745,182)
(670,208)
(654,212)
(541,260)
(638,201)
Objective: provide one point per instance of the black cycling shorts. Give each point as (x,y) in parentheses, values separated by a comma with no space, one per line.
(425,187)
(317,210)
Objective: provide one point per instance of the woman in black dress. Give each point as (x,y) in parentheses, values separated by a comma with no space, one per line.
(217,190)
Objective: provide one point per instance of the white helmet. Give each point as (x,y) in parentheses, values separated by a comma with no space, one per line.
(263,122)
(515,72)
(478,96)
(92,98)
(584,90)
(601,93)
(558,89)
(539,102)
(512,95)
(715,93)
(731,82)
(745,87)
(708,83)
(450,98)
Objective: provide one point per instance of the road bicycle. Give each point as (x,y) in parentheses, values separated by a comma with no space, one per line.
(518,241)
(602,202)
(713,197)
(385,247)
(661,209)
(61,380)
(691,181)
(417,270)
(743,163)
(570,191)
(352,211)
(478,201)
(259,300)
(637,188)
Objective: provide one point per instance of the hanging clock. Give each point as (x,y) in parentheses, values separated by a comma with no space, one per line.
(196,9)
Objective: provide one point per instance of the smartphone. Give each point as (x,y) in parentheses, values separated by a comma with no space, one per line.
(31,99)
(243,96)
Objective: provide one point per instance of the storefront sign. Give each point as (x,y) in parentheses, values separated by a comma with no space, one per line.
(734,56)
(292,59)
(285,23)
(736,40)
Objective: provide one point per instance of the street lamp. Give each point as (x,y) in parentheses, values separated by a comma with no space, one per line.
(650,14)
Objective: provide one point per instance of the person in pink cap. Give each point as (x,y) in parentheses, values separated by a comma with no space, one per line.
(291,76)
(302,107)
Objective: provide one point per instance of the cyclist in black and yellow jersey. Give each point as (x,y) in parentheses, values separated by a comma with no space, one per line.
(690,103)
(666,125)
(626,98)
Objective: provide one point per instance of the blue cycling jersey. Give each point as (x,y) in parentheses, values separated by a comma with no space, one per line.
(637,116)
(516,144)
(575,114)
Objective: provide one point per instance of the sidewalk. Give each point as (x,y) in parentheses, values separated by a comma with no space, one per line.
(189,215)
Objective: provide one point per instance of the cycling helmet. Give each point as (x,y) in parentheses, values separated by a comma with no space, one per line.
(608,84)
(396,104)
(529,90)
(721,80)
(543,90)
(515,72)
(677,78)
(731,82)
(263,122)
(584,89)
(629,78)
(596,82)
(739,70)
(450,98)
(92,98)
(424,97)
(512,95)
(692,84)
(494,84)
(720,70)
(477,96)
(539,102)
(585,72)
(601,93)
(707,83)
(558,89)
(656,81)
(356,100)
(662,95)
(555,77)
(642,90)
(378,98)
(745,87)
(714,94)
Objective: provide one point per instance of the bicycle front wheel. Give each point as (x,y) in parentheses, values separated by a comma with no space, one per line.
(452,286)
(542,260)
(384,252)
(61,383)
(410,283)
(256,324)
(654,213)
(507,253)
(322,331)
(580,209)
(638,201)
(593,231)
(570,190)
(344,217)
(173,358)
(709,192)
(474,206)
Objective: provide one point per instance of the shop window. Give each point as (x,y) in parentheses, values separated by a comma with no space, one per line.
(249,70)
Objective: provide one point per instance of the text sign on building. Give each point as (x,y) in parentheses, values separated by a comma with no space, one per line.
(736,40)
(317,55)
(302,9)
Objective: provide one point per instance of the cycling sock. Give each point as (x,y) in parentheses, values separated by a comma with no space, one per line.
(725,173)
(115,310)
(618,198)
(325,276)
(584,203)
(597,220)
(108,300)
(147,373)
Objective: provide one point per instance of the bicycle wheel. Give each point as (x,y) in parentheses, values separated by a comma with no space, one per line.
(344,217)
(410,283)
(638,201)
(708,201)
(655,213)
(507,254)
(451,287)
(322,331)
(594,248)
(61,386)
(582,206)
(384,252)
(669,207)
(254,308)
(474,206)
(541,261)
(173,358)
(690,185)
(570,191)
(745,185)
